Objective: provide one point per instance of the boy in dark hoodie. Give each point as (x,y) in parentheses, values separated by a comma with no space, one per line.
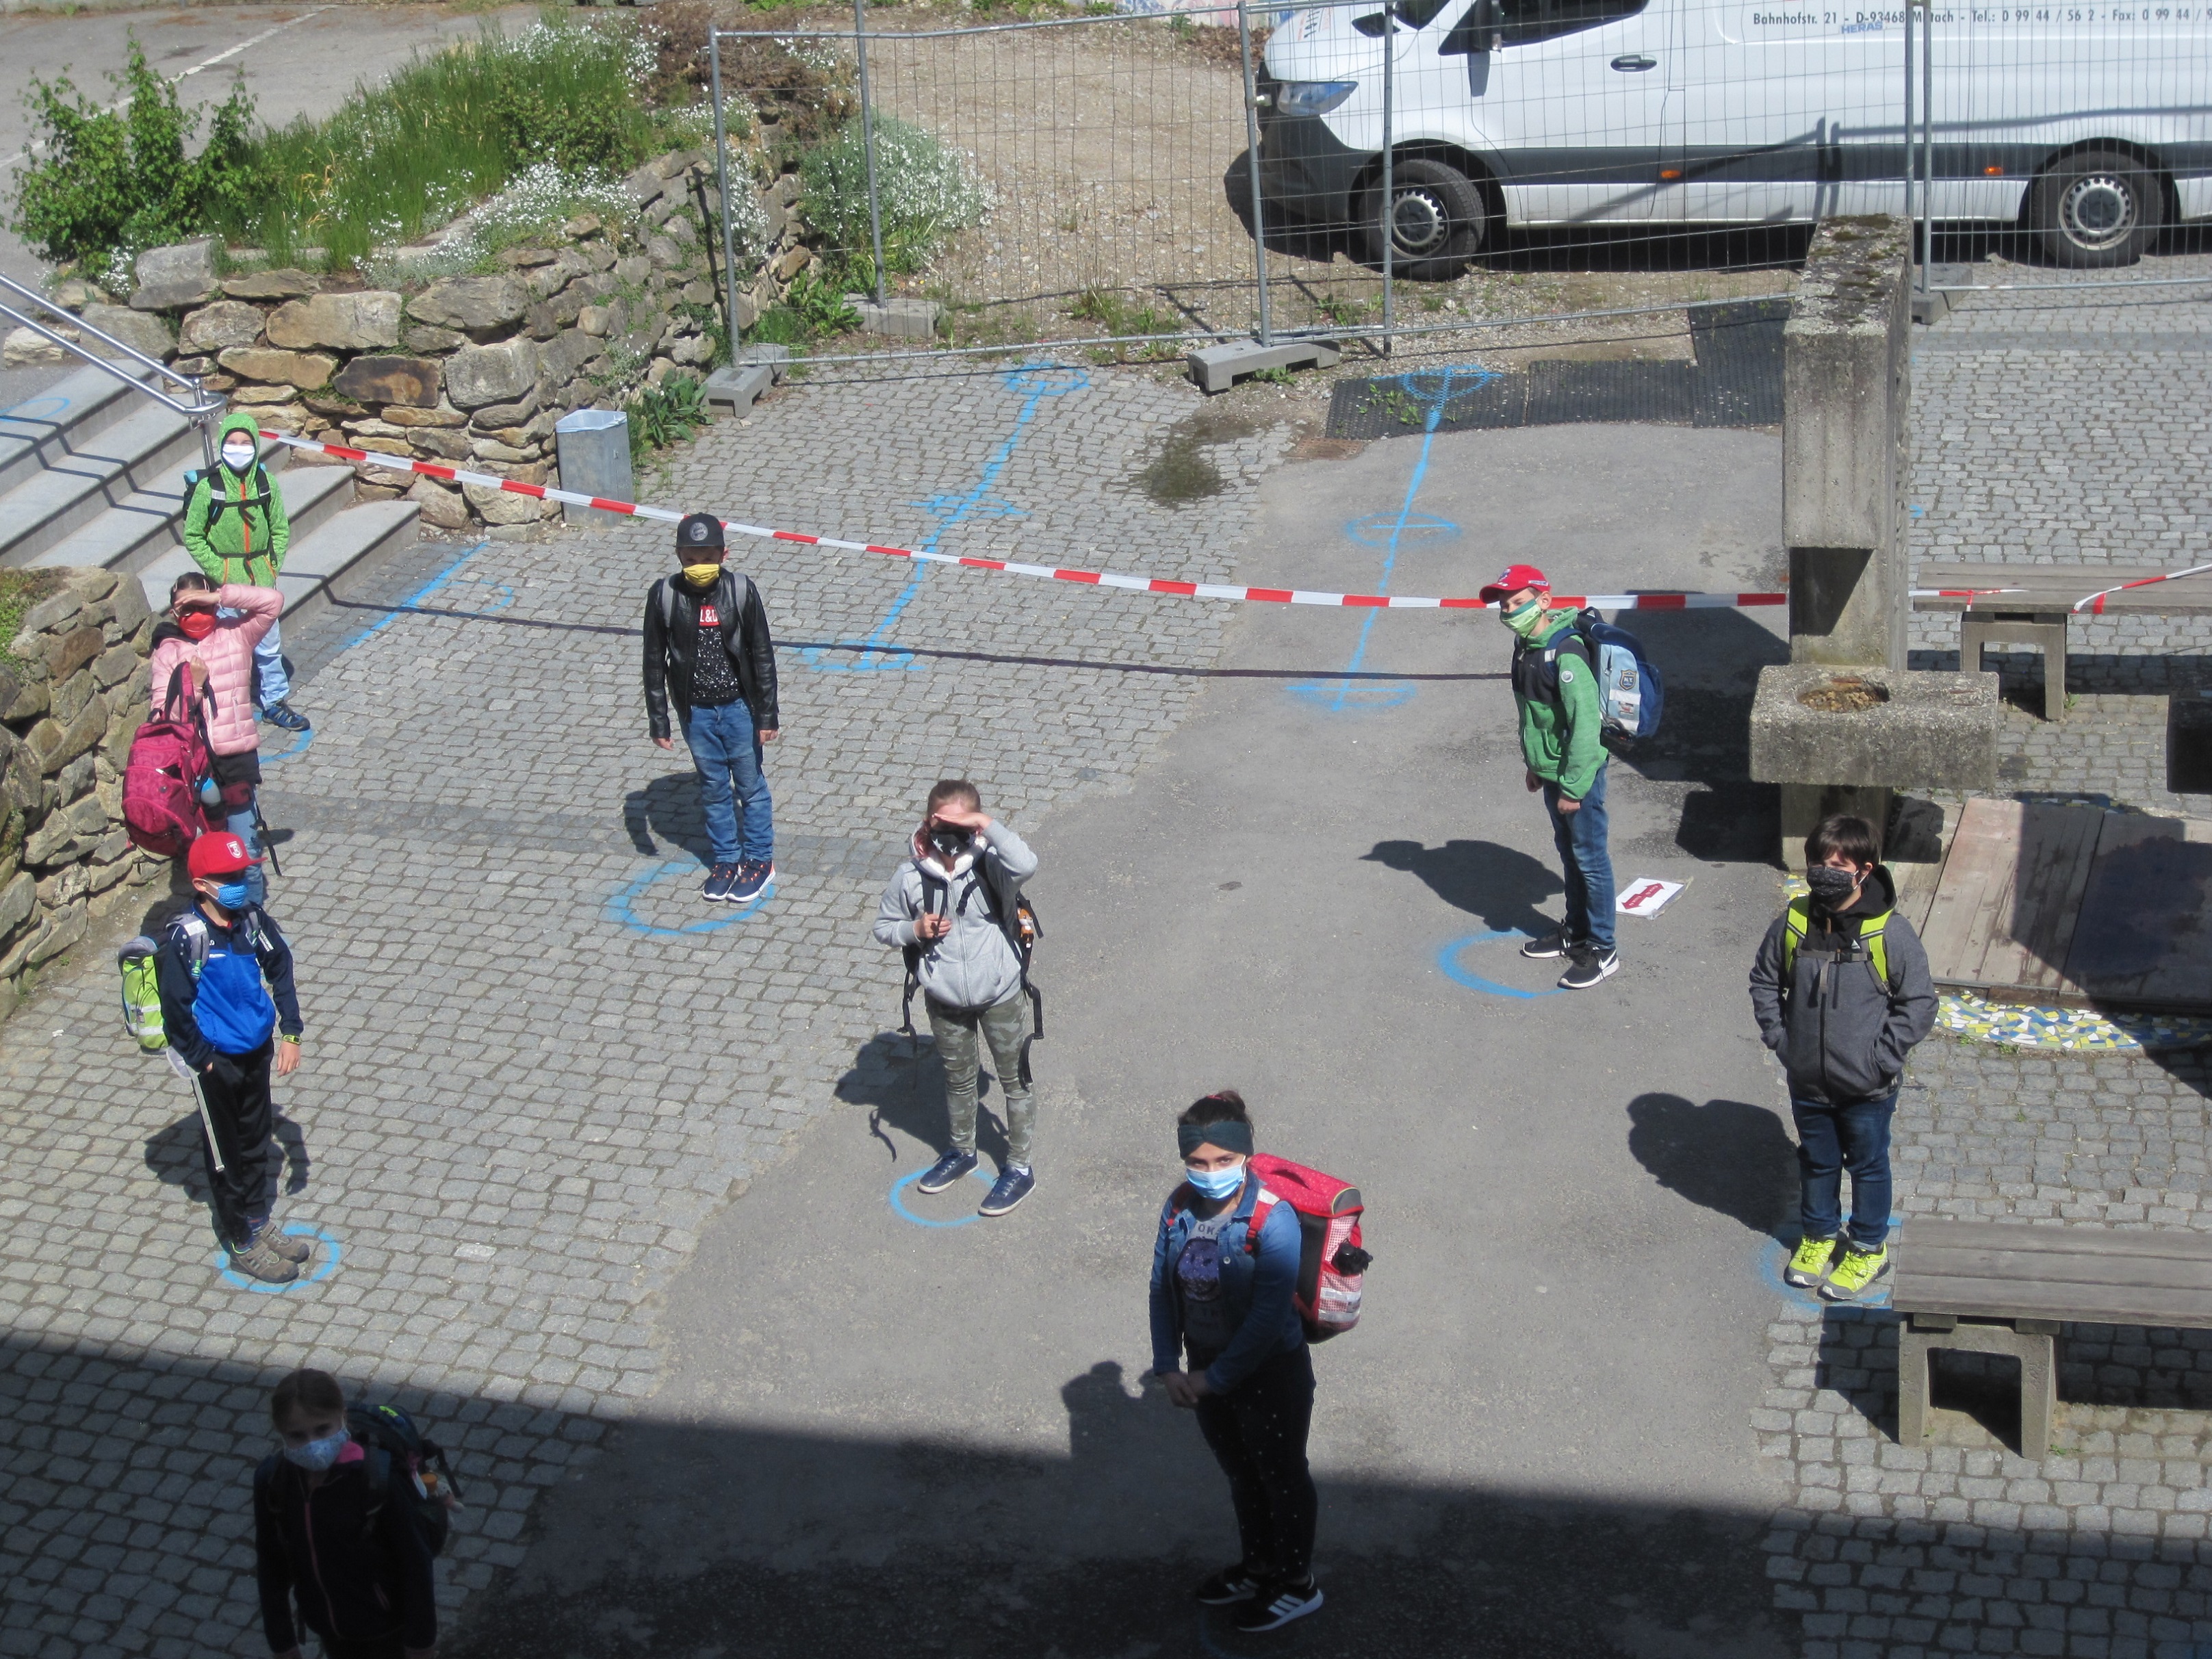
(1841,993)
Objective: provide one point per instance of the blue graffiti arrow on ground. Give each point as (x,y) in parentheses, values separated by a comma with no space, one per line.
(1434,389)
(1036,384)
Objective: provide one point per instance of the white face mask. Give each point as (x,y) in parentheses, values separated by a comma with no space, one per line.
(238,457)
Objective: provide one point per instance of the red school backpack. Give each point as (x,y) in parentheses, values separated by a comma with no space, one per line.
(161,778)
(1331,1264)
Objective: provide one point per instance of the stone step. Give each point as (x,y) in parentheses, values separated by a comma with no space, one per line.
(316,561)
(136,531)
(147,450)
(42,429)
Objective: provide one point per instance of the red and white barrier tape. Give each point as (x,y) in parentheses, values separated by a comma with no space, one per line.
(1095,578)
(2096,601)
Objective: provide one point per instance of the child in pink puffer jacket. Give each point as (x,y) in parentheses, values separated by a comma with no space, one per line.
(216,655)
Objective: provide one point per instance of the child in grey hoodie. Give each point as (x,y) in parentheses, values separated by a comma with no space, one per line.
(950,903)
(1841,993)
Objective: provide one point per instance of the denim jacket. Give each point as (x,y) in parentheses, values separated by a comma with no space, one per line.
(1255,1290)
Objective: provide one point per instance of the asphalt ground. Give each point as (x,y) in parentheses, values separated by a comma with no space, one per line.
(887,1429)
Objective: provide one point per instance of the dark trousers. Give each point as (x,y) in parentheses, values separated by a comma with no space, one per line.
(366,1647)
(245,1120)
(1832,1139)
(1257,1432)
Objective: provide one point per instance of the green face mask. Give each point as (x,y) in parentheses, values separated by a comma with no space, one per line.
(1525,620)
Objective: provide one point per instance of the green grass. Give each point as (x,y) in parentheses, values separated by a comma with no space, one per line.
(449,129)
(19,591)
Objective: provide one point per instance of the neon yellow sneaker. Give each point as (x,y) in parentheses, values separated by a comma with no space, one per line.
(1810,1262)
(1856,1270)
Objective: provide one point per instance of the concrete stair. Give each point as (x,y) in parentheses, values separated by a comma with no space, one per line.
(92,473)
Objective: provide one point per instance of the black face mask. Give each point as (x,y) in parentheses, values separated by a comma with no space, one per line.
(951,843)
(1830,886)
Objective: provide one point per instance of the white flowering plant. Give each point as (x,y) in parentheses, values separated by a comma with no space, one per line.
(924,191)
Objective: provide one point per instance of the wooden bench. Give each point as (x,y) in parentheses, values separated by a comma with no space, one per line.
(2035,613)
(2003,1288)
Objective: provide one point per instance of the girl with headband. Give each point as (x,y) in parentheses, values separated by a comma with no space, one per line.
(1223,1299)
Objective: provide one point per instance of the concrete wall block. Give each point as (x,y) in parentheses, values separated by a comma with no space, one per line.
(1932,731)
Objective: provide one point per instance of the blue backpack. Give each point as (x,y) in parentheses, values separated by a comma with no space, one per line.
(1628,687)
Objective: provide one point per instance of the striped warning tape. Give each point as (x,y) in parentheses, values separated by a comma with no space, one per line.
(1094,577)
(2094,603)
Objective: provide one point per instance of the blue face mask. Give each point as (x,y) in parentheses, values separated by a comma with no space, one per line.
(233,895)
(1216,1183)
(318,1454)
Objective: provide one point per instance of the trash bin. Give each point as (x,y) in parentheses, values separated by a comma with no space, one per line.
(593,444)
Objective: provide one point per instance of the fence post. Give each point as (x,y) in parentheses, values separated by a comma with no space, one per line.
(1927,135)
(1904,151)
(868,143)
(1251,161)
(1389,201)
(722,187)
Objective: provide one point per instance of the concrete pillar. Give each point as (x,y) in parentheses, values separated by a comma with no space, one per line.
(1844,393)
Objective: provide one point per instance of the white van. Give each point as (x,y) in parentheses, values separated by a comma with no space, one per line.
(2088,124)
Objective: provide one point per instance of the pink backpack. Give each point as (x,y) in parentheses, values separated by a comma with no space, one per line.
(162,778)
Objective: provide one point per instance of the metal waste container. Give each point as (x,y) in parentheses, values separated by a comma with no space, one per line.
(593,444)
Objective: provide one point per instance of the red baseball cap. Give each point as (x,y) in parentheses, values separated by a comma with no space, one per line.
(218,853)
(1515,578)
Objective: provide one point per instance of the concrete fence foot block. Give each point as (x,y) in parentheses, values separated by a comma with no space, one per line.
(914,319)
(738,387)
(1216,369)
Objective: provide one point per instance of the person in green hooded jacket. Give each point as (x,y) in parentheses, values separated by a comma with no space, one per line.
(236,531)
(1562,719)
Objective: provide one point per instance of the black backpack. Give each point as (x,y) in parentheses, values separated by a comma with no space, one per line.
(399,1457)
(217,501)
(1022,931)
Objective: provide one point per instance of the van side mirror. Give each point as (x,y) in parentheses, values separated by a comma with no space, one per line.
(1482,29)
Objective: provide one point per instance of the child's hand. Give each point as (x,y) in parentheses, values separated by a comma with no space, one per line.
(288,1058)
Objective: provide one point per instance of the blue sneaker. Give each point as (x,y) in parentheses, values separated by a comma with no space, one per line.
(953,1166)
(283,714)
(753,878)
(1013,1185)
(720,880)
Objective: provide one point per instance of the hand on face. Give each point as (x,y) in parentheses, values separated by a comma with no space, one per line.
(954,816)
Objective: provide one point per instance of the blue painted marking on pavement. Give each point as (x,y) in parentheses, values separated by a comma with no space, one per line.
(36,409)
(1035,382)
(415,599)
(298,746)
(1434,389)
(327,1264)
(899,1208)
(1448,959)
(621,907)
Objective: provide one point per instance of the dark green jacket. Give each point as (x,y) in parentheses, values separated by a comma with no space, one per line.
(246,540)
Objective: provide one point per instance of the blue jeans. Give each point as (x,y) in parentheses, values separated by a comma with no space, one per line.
(1580,838)
(726,749)
(1833,1138)
(240,823)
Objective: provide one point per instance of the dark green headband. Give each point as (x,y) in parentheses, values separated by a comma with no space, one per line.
(1229,1134)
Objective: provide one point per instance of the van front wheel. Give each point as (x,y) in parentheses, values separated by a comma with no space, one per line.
(2096,209)
(1435,222)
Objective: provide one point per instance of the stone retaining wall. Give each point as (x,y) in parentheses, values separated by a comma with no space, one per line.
(471,370)
(72,692)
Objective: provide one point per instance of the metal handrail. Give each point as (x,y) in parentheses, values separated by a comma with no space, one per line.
(198,411)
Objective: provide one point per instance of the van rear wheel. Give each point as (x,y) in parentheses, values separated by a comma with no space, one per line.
(2096,209)
(1435,222)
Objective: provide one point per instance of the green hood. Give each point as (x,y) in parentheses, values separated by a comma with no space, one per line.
(237,421)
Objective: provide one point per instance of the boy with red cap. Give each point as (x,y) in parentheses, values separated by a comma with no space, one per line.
(1555,688)
(227,1034)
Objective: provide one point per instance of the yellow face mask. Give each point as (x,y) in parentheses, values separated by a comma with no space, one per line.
(702,575)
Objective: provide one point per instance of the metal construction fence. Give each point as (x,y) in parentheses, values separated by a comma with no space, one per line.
(1131,183)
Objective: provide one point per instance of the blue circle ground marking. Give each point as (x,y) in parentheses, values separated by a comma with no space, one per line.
(328,1264)
(1448,960)
(299,746)
(620,907)
(34,408)
(899,1208)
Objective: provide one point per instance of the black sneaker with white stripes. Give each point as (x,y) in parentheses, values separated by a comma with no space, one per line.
(1277,1604)
(1230,1584)
(1553,944)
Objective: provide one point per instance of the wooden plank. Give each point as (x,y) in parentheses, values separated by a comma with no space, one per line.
(1981,862)
(1916,881)
(2056,587)
(1943,1232)
(2084,1305)
(2051,1270)
(2144,938)
(2057,848)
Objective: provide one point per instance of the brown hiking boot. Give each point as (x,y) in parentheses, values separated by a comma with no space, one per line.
(273,1239)
(255,1262)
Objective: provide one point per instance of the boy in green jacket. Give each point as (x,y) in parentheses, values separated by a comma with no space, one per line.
(1555,688)
(236,532)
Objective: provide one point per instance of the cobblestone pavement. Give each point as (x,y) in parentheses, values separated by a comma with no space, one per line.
(2048,429)
(518,1104)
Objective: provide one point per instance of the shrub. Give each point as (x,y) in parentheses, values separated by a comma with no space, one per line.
(925,191)
(670,413)
(108,180)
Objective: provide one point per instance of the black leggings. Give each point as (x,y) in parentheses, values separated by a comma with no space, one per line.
(1258,1434)
(245,1120)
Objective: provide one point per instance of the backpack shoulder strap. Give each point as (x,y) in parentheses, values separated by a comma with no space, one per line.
(666,589)
(1255,1216)
(1874,933)
(1795,920)
(264,1481)
(193,931)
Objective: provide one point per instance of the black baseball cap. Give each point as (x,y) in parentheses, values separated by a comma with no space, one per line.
(700,532)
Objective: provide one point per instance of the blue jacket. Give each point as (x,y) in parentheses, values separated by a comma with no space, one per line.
(211,996)
(1255,1290)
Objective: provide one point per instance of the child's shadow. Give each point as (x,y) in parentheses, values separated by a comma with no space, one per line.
(178,1156)
(902,1081)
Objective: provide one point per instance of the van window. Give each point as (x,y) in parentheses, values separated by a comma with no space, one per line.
(1521,22)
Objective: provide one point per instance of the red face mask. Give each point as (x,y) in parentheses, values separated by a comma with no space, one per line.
(196,624)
